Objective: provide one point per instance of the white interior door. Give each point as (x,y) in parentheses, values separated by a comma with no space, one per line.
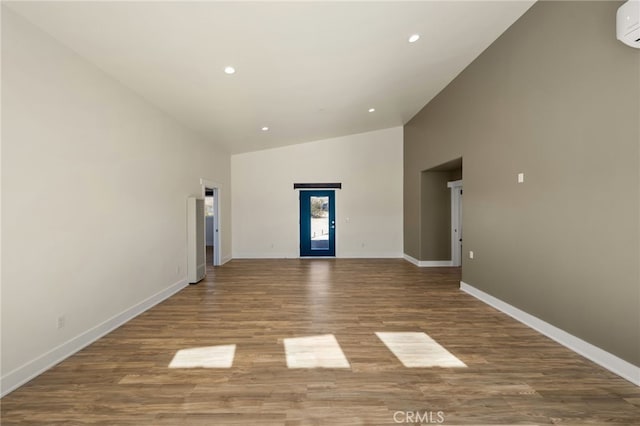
(208,186)
(456,222)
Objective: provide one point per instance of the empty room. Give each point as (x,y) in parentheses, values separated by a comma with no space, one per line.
(320,212)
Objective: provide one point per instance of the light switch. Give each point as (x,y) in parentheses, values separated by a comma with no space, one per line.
(520,177)
(470,254)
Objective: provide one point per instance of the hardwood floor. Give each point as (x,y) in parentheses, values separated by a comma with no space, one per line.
(209,255)
(513,375)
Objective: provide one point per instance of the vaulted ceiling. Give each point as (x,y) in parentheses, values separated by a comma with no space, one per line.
(305,70)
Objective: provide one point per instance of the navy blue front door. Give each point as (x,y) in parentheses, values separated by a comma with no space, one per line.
(317,223)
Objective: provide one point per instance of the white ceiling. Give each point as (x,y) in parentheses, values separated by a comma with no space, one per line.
(307,70)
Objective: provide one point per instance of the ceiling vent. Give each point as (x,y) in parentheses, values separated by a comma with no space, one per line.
(628,23)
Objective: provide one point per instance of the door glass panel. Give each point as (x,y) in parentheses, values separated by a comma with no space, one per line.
(319,223)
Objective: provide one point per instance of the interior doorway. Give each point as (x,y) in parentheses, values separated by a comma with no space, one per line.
(209,202)
(437,246)
(211,193)
(456,222)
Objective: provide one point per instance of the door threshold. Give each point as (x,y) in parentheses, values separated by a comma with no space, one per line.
(317,257)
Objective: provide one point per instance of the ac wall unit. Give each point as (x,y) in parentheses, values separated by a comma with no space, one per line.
(196,249)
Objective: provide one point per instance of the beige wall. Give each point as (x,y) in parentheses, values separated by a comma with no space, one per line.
(368,207)
(558,98)
(455,174)
(435,216)
(94,189)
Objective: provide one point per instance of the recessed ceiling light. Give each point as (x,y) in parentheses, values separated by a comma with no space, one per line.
(265,128)
(414,38)
(229,70)
(372,109)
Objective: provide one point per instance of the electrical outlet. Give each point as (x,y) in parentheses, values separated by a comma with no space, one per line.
(61,322)
(470,254)
(520,177)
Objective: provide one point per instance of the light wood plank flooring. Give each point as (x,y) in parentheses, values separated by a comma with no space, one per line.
(513,375)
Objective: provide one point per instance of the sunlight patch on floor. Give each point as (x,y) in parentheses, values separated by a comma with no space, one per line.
(315,352)
(205,357)
(416,349)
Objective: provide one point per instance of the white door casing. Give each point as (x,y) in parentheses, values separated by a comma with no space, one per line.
(456,222)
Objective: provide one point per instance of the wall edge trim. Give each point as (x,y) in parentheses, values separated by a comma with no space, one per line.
(605,359)
(428,263)
(277,256)
(31,369)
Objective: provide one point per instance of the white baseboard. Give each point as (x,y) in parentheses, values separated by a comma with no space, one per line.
(35,367)
(601,357)
(411,259)
(428,263)
(369,256)
(435,263)
(225,260)
(256,256)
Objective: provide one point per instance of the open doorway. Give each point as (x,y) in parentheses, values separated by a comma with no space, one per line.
(209,225)
(456,222)
(439,204)
(211,192)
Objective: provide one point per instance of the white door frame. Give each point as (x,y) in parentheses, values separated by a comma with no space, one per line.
(456,222)
(217,249)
